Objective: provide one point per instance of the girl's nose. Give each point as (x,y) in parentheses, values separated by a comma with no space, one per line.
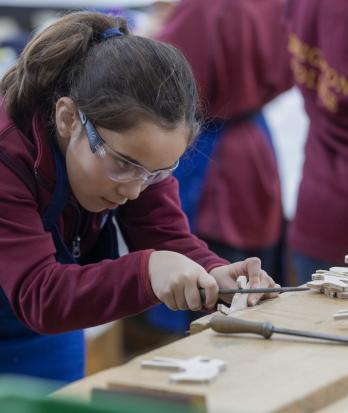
(130,190)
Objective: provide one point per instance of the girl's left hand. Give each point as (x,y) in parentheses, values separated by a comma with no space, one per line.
(227,275)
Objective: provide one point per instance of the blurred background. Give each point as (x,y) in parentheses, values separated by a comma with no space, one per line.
(115,343)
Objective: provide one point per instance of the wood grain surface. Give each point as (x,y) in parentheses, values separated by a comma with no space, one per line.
(283,374)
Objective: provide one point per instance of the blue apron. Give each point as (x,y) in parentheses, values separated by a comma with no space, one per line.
(55,356)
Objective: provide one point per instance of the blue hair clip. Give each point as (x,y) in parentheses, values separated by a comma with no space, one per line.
(112,32)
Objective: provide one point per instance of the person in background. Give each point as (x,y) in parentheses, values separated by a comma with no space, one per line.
(93,121)
(229,183)
(318,48)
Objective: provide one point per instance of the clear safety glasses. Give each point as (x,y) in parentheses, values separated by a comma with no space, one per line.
(118,168)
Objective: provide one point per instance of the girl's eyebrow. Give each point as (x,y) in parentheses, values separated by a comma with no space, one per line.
(130,159)
(127,157)
(122,155)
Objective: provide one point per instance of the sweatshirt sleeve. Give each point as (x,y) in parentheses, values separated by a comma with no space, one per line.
(50,297)
(156,220)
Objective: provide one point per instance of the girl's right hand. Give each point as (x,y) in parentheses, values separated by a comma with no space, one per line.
(175,280)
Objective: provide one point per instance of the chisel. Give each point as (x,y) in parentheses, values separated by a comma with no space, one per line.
(232,325)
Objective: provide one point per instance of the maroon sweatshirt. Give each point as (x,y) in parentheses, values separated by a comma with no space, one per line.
(238,53)
(50,297)
(319,49)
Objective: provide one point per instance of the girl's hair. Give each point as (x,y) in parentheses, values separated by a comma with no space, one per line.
(117,82)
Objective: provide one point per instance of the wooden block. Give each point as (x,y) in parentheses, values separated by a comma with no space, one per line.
(330,282)
(341,315)
(317,276)
(197,369)
(183,401)
(339,270)
(315,285)
(322,275)
(286,374)
(222,308)
(342,294)
(239,301)
(328,293)
(106,350)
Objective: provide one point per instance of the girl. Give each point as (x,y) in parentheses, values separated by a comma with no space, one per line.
(93,122)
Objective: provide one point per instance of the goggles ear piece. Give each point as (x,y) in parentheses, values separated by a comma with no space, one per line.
(83,117)
(95,141)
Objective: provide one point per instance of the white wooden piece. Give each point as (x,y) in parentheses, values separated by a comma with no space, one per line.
(321,274)
(195,369)
(346,259)
(315,285)
(239,301)
(341,315)
(332,283)
(340,270)
(222,308)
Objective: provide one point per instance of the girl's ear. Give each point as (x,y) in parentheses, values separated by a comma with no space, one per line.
(66,117)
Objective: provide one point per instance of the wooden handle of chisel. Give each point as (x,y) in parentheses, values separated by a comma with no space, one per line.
(227,324)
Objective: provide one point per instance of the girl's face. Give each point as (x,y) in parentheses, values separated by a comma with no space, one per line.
(147,145)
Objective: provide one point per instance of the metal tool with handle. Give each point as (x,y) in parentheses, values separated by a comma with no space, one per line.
(232,325)
(255,290)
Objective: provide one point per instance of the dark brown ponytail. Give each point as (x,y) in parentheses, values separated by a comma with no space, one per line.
(117,82)
(44,65)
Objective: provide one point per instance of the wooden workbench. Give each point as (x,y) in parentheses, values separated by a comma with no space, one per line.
(283,374)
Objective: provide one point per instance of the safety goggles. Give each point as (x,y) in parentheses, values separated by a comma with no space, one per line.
(118,168)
